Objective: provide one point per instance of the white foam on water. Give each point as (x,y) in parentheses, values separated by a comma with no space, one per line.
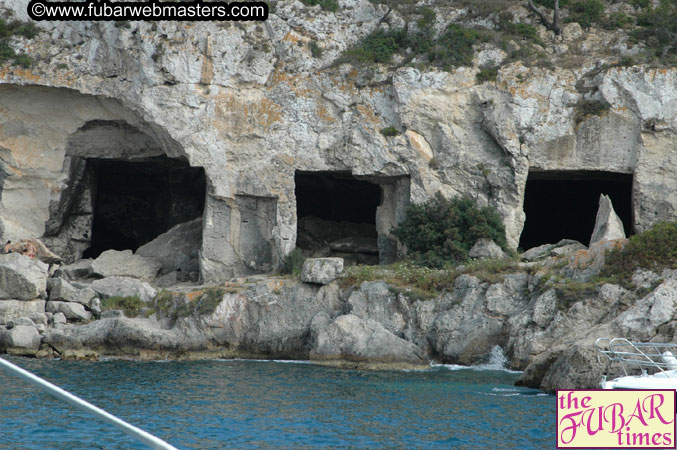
(505,389)
(494,394)
(283,361)
(497,361)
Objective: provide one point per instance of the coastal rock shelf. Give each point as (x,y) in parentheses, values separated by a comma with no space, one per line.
(371,325)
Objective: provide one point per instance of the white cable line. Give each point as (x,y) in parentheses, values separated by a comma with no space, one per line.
(56,391)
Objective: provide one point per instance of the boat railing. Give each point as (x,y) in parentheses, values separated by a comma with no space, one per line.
(137,433)
(656,356)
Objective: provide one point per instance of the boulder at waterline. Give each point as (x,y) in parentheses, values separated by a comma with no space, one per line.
(21,340)
(353,342)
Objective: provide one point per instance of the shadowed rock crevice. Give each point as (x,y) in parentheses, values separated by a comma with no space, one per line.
(137,201)
(563,204)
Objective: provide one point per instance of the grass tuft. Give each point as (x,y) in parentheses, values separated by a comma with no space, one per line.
(130,305)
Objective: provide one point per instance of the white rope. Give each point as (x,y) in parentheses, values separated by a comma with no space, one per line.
(56,391)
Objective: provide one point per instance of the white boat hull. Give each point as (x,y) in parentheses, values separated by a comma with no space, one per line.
(661,380)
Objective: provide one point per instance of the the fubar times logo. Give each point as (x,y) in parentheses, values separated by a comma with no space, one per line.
(616,419)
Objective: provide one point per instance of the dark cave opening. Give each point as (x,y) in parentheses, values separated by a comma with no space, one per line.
(336,216)
(135,201)
(563,204)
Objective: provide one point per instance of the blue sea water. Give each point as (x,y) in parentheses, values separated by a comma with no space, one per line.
(275,405)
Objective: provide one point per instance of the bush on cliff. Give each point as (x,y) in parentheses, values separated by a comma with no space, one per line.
(293,262)
(655,250)
(7,31)
(442,231)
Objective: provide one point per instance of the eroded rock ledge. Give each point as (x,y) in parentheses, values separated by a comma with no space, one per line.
(546,328)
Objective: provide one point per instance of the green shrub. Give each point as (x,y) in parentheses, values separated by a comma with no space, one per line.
(454,47)
(414,281)
(570,292)
(390,131)
(293,262)
(640,3)
(208,301)
(617,20)
(488,74)
(15,28)
(442,231)
(658,28)
(521,30)
(551,3)
(315,49)
(326,5)
(130,305)
(6,52)
(23,60)
(586,12)
(655,250)
(626,61)
(377,47)
(427,19)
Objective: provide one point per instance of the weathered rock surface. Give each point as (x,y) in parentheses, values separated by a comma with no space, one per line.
(608,226)
(221,97)
(13,309)
(77,270)
(377,301)
(177,250)
(21,277)
(21,340)
(585,264)
(124,263)
(124,287)
(644,317)
(61,290)
(352,341)
(486,248)
(73,311)
(563,247)
(321,270)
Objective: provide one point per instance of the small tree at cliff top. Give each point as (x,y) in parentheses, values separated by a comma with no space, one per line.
(552,25)
(441,231)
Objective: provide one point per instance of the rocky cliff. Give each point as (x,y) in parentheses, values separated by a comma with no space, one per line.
(545,321)
(253,105)
(252,127)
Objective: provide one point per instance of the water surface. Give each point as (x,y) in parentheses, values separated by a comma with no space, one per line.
(274,405)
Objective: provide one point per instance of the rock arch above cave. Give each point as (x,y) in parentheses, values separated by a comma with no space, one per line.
(121,191)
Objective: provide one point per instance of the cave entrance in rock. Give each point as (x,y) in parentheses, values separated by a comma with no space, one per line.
(135,201)
(336,216)
(563,204)
(342,215)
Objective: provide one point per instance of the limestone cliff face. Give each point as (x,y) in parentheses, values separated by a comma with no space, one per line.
(250,104)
